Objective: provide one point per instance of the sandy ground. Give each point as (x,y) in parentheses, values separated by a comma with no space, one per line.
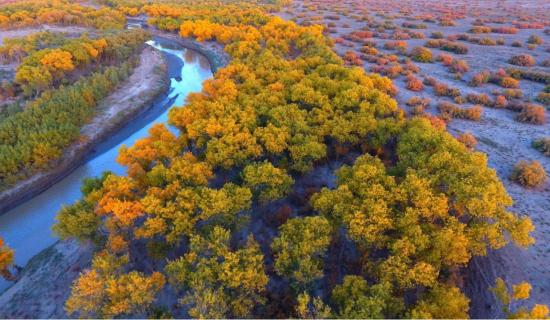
(505,140)
(40,296)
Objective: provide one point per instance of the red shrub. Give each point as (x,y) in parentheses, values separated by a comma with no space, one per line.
(459,66)
(529,174)
(468,140)
(532,114)
(414,84)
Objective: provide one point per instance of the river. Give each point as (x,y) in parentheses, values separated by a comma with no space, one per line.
(27,227)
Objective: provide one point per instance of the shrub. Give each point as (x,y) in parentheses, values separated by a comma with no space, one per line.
(421,54)
(534,39)
(414,84)
(445,59)
(505,30)
(528,174)
(416,101)
(480,29)
(532,114)
(480,78)
(436,35)
(459,66)
(468,140)
(543,145)
(447,23)
(523,60)
(455,47)
(441,89)
(536,76)
(429,81)
(512,93)
(481,98)
(434,43)
(449,110)
(500,102)
(544,98)
(396,45)
(509,82)
(352,58)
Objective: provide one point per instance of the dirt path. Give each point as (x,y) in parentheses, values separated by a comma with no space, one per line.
(137,92)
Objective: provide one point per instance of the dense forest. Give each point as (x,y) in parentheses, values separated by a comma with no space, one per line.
(63,12)
(69,78)
(226,215)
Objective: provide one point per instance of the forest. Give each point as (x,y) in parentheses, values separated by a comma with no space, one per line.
(217,214)
(292,186)
(31,138)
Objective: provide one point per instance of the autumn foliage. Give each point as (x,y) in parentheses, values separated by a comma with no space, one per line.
(196,217)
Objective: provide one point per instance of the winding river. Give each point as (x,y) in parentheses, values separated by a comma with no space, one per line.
(27,227)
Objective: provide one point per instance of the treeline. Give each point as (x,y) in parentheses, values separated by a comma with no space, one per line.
(28,13)
(31,139)
(226,215)
(44,68)
(15,49)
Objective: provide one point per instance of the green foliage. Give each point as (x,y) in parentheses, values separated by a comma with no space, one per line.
(220,282)
(355,299)
(266,181)
(302,263)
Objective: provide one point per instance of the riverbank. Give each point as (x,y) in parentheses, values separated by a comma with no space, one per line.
(45,283)
(147,82)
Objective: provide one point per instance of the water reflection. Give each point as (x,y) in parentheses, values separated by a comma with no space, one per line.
(27,228)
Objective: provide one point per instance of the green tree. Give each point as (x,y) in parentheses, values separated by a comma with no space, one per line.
(300,247)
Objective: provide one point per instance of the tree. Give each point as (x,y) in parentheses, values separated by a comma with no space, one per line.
(355,299)
(6,261)
(299,249)
(312,308)
(96,295)
(520,291)
(442,302)
(220,282)
(266,181)
(58,61)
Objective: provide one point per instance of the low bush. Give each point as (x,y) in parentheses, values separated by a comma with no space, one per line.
(523,60)
(445,59)
(528,174)
(509,83)
(532,114)
(421,54)
(481,98)
(414,84)
(450,110)
(534,39)
(480,78)
(504,30)
(416,101)
(468,140)
(500,102)
(455,47)
(543,145)
(436,35)
(480,29)
(459,66)
(544,98)
(440,89)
